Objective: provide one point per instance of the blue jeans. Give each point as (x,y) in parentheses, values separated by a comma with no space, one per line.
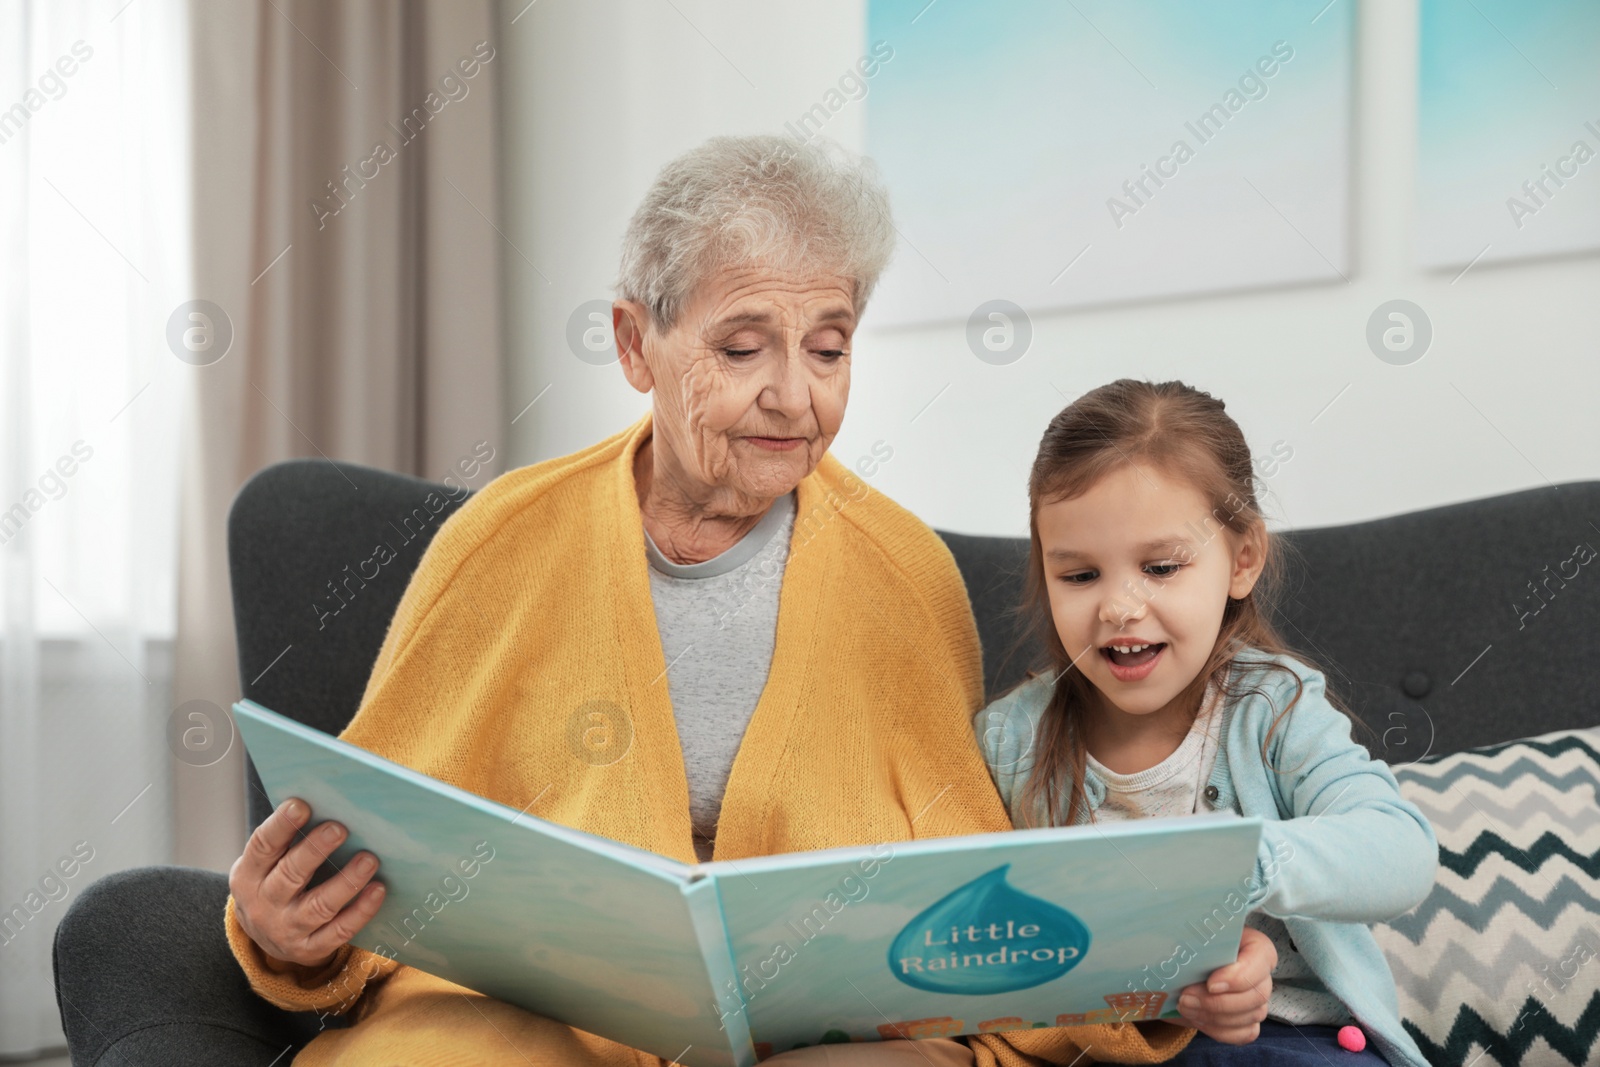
(1280,1045)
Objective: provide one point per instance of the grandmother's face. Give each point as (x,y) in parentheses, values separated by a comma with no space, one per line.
(751,383)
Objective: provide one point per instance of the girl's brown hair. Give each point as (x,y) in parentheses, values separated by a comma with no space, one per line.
(1185,434)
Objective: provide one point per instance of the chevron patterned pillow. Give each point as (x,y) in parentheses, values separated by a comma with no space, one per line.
(1501,960)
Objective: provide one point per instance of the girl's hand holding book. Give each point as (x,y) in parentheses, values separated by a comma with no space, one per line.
(1233,1015)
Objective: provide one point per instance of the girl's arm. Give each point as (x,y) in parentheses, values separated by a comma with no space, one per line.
(1007,731)
(1350,848)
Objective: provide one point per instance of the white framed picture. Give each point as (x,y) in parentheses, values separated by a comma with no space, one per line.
(1058,155)
(1508,130)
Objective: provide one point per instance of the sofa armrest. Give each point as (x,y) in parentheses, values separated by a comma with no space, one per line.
(142,967)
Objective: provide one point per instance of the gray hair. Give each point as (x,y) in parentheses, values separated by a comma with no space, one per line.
(746,200)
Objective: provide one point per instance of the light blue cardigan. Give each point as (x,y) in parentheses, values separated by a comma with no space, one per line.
(1373,857)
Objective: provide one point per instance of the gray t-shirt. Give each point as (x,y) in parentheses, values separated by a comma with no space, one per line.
(718,622)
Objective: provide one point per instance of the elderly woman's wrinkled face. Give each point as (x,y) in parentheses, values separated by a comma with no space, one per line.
(751,382)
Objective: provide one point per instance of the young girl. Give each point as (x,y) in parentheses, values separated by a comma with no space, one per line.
(1171,694)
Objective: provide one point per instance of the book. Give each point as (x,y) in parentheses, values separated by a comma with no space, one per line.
(722,964)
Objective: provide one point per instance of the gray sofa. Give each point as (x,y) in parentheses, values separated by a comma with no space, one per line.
(1446,630)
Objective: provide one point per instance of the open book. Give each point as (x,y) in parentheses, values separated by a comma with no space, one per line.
(722,964)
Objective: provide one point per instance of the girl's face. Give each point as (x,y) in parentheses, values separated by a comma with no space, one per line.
(1140,560)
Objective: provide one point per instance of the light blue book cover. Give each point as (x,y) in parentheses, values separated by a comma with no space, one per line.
(725,963)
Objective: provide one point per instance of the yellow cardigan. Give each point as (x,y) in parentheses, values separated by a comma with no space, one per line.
(531,610)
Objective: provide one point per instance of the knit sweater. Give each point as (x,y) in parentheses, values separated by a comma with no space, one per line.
(531,609)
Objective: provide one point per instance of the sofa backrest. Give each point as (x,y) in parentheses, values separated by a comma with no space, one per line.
(319,553)
(1443,629)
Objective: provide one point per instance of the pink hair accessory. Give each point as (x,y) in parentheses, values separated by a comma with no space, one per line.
(1351,1039)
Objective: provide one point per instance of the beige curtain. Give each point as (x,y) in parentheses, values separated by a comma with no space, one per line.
(346,224)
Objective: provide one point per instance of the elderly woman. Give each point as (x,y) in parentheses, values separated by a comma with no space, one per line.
(703,636)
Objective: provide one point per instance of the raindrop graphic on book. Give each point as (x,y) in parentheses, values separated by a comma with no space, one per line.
(987,937)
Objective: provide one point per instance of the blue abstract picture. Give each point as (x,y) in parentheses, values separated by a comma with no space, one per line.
(1508,130)
(1067,154)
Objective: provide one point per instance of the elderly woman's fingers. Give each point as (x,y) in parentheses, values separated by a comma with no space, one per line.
(317,907)
(293,872)
(266,846)
(346,923)
(269,880)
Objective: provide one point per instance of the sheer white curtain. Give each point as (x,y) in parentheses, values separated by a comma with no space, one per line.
(94,254)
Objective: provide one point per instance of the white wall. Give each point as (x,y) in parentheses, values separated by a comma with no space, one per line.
(598,97)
